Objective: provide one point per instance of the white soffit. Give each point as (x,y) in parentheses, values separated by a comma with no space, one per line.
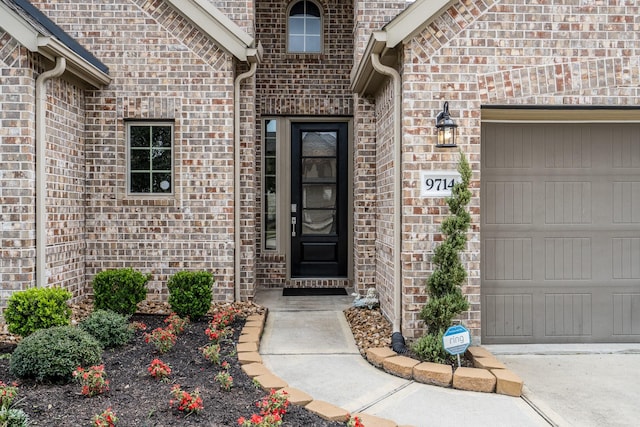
(218,27)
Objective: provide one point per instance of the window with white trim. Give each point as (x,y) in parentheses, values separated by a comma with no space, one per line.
(150,157)
(304,28)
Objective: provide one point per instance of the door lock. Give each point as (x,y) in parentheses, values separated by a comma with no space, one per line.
(293,226)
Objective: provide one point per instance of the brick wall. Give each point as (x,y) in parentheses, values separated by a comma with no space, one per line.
(162,68)
(66,182)
(385,197)
(491,52)
(17,168)
(364,195)
(65,175)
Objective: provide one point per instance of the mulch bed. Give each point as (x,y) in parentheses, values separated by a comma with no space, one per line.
(140,400)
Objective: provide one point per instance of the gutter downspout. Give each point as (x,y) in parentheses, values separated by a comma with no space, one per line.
(397,189)
(236,175)
(41,169)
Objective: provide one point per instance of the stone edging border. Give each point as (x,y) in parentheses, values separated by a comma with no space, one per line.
(251,363)
(488,375)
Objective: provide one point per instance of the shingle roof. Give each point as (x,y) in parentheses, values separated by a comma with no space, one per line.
(47,28)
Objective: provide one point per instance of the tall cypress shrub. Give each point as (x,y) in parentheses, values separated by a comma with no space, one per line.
(446,300)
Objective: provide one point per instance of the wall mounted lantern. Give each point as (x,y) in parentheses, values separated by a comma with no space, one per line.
(446,128)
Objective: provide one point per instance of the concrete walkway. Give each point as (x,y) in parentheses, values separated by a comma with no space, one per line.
(307,342)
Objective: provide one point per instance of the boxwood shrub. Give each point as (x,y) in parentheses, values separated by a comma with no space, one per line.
(108,327)
(53,354)
(119,290)
(37,308)
(190,293)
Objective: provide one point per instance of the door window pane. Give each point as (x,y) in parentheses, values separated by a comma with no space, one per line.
(319,196)
(269,192)
(319,169)
(318,221)
(319,144)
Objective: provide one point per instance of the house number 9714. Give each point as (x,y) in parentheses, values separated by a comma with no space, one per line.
(437,183)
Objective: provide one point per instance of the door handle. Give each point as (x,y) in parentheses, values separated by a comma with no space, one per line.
(293,226)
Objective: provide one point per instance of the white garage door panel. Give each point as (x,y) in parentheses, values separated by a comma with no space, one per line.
(560,233)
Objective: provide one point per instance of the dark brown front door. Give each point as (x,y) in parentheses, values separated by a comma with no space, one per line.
(319,184)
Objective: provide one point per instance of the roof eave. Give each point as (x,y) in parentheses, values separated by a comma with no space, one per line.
(51,48)
(363,76)
(219,28)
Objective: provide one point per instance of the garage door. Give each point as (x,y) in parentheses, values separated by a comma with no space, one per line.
(560,215)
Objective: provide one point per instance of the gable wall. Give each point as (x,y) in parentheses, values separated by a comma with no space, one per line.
(500,52)
(299,85)
(162,68)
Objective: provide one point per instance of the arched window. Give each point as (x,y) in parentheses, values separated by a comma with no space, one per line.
(305,27)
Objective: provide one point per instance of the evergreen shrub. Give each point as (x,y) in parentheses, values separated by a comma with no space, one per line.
(37,308)
(445,298)
(119,290)
(190,293)
(108,327)
(53,354)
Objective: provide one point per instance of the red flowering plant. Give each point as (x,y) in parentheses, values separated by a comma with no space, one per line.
(93,380)
(272,409)
(225,380)
(176,323)
(162,338)
(276,402)
(354,422)
(225,317)
(189,403)
(211,352)
(158,369)
(216,335)
(256,420)
(7,394)
(138,326)
(105,419)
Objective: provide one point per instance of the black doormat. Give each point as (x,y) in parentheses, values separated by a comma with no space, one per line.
(304,292)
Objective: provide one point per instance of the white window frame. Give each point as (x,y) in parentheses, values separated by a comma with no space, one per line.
(305,34)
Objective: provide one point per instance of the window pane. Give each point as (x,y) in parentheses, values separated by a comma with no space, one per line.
(162,136)
(161,160)
(140,183)
(140,136)
(313,26)
(296,43)
(270,165)
(161,183)
(313,44)
(312,9)
(140,160)
(297,9)
(296,25)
